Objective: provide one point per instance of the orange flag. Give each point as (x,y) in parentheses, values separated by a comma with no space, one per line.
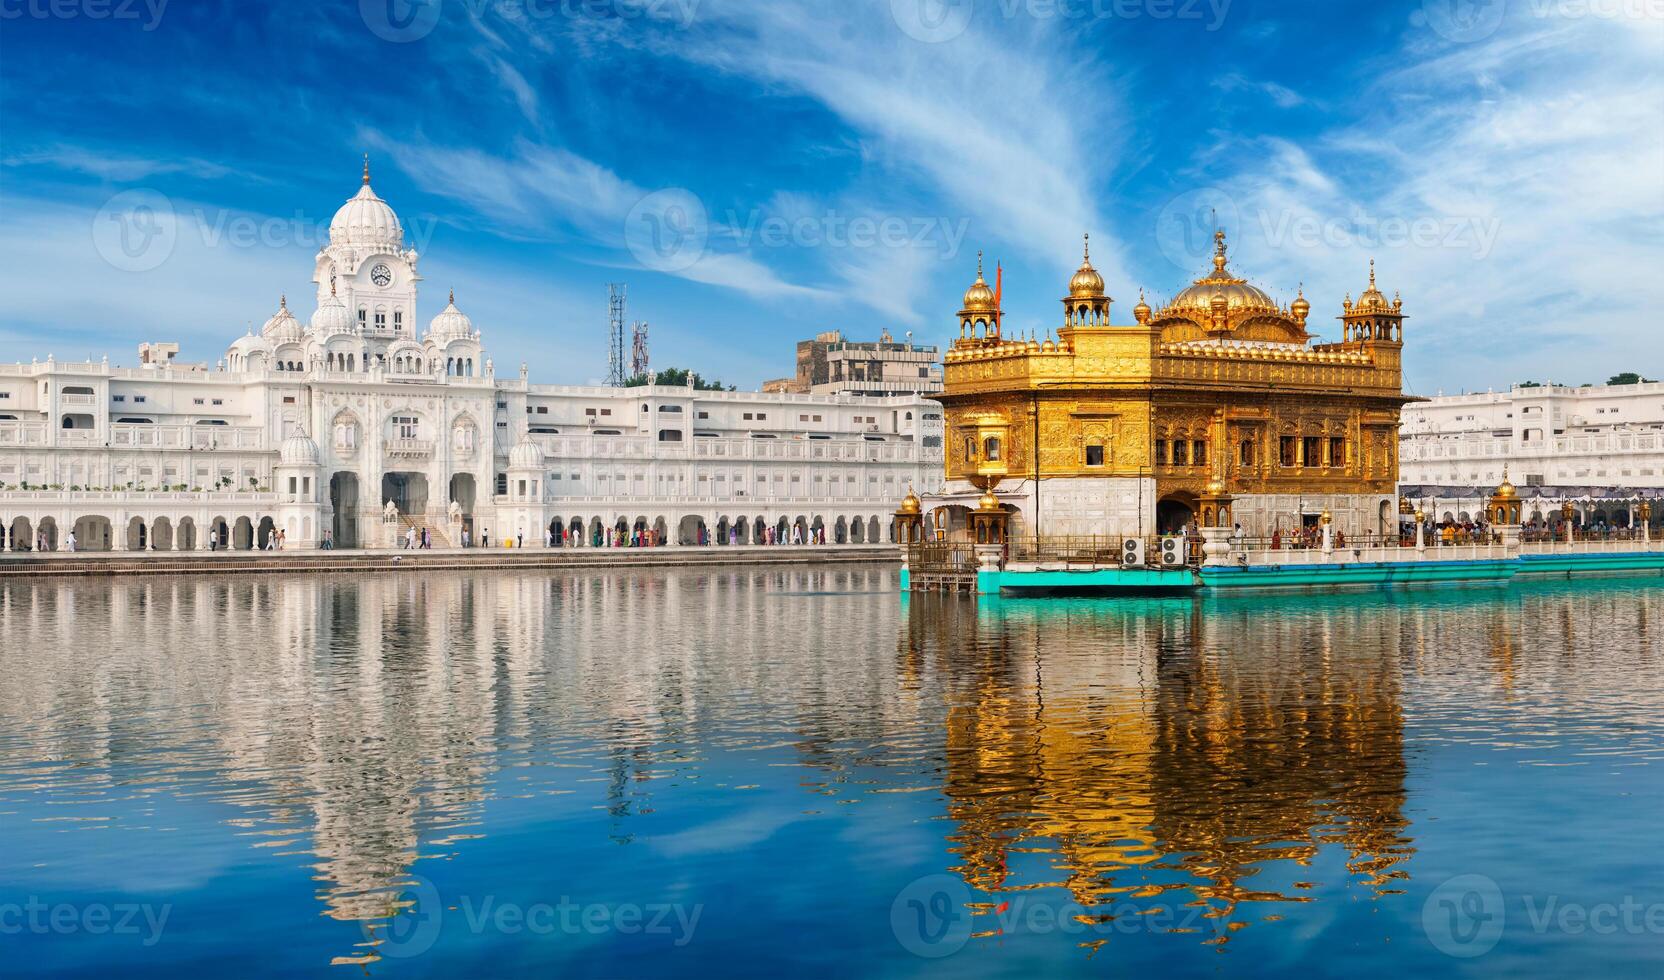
(999,294)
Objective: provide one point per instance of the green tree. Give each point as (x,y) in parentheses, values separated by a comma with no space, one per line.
(1627,378)
(677,378)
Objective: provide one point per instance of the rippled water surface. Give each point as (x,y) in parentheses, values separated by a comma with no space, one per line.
(798,772)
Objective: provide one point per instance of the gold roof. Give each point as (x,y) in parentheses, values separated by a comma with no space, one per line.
(1087,283)
(980,298)
(910,504)
(1238,294)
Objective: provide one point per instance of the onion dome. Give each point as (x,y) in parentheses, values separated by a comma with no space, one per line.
(1239,295)
(366,220)
(451,323)
(910,504)
(988,502)
(1372,300)
(298,450)
(1301,308)
(283,327)
(332,317)
(249,344)
(526,455)
(1506,491)
(1405,507)
(1142,310)
(1087,283)
(980,298)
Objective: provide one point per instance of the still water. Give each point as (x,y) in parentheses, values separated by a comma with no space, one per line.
(798,772)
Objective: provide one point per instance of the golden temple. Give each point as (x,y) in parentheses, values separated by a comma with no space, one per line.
(1215,407)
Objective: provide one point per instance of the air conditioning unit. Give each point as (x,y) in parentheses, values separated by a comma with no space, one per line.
(1172,551)
(1132,552)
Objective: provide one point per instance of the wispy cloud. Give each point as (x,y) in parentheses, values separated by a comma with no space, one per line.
(112,166)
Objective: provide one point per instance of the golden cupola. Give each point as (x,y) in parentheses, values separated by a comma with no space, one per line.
(980,297)
(1142,311)
(1086,305)
(1221,305)
(1372,317)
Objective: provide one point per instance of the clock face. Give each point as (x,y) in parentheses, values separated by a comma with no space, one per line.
(381,276)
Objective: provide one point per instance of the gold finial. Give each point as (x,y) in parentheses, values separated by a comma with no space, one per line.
(1086,250)
(979,264)
(1371,273)
(366,170)
(1219,251)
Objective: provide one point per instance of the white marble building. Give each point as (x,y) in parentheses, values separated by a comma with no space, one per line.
(314,429)
(1600,447)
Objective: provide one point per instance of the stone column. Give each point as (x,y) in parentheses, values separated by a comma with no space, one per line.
(1216,545)
(1511,539)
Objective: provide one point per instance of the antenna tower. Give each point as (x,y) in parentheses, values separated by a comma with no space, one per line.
(639,365)
(615,334)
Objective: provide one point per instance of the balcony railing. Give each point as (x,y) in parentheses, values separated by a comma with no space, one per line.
(409,448)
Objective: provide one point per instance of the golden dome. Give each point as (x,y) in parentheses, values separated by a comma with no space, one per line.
(1506,491)
(1215,489)
(1372,299)
(987,503)
(1301,308)
(910,504)
(980,298)
(1086,284)
(1404,506)
(1238,294)
(1142,310)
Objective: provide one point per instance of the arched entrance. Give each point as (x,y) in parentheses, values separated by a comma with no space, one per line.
(242,534)
(1387,519)
(46,536)
(138,536)
(407,491)
(1173,515)
(93,533)
(463,495)
(161,534)
(184,539)
(343,497)
(840,532)
(690,530)
(268,530)
(23,535)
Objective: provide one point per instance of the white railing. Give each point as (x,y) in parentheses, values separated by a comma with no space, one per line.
(79,400)
(137,497)
(1350,555)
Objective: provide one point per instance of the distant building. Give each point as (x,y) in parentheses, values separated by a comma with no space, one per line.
(1600,448)
(831,365)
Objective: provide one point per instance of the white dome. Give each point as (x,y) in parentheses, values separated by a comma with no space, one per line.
(249,344)
(332,317)
(526,455)
(451,324)
(299,450)
(366,220)
(283,327)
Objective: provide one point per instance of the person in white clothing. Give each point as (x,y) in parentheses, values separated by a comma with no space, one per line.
(69,542)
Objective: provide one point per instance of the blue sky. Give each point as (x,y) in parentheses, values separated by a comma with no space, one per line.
(762,170)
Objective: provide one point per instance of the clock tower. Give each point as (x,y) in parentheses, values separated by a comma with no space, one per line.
(367,268)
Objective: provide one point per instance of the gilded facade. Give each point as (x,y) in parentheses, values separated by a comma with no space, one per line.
(1218,404)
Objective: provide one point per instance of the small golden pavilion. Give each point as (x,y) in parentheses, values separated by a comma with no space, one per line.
(1216,407)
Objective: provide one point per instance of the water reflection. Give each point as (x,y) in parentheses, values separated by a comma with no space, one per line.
(1239,759)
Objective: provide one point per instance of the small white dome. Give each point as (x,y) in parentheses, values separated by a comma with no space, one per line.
(298,450)
(526,455)
(332,317)
(250,344)
(283,327)
(367,220)
(451,324)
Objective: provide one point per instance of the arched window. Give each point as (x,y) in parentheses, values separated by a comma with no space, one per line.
(991,449)
(970,447)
